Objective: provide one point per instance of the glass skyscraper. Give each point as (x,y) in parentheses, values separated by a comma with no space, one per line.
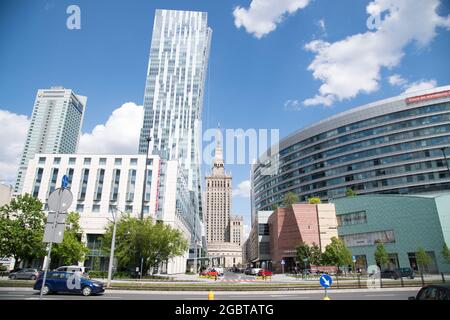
(55,126)
(173,96)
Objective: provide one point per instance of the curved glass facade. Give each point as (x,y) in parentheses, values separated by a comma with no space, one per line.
(391,146)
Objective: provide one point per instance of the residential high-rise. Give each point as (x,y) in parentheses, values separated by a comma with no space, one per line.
(55,126)
(173,98)
(218,201)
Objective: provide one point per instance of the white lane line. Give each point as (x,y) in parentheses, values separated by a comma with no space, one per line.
(380,295)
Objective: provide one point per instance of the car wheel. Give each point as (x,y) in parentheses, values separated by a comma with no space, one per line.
(45,290)
(13,277)
(86,291)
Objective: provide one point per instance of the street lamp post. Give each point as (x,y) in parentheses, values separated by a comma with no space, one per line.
(445,158)
(113,246)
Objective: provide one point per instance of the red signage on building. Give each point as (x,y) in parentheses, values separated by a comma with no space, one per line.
(430,96)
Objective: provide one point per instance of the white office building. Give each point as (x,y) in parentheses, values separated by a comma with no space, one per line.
(173,98)
(101,183)
(55,126)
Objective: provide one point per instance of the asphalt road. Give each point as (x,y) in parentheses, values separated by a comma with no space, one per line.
(378,294)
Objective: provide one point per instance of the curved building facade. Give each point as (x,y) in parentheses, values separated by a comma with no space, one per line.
(397,145)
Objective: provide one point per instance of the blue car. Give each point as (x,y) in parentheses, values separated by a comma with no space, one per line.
(68,282)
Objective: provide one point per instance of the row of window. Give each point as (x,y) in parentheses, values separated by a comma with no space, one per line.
(88,161)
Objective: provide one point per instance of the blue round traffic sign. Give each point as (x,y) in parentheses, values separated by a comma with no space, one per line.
(325,281)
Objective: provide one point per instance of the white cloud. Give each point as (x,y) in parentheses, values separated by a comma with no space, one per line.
(263,16)
(292,105)
(352,66)
(322,26)
(420,85)
(397,80)
(120,133)
(13,131)
(243,189)
(409,87)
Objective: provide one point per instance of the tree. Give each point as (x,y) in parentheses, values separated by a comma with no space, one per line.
(290,198)
(381,255)
(423,259)
(316,255)
(303,252)
(337,254)
(446,253)
(274,206)
(136,238)
(350,193)
(22,224)
(71,249)
(314,200)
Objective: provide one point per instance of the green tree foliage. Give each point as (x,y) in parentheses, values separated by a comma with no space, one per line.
(446,253)
(275,206)
(71,249)
(312,253)
(22,224)
(337,254)
(135,238)
(314,200)
(381,255)
(423,259)
(350,193)
(290,198)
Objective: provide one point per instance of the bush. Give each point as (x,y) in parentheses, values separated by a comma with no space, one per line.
(98,274)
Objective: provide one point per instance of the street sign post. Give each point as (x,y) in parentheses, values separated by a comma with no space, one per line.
(282,265)
(325,281)
(58,203)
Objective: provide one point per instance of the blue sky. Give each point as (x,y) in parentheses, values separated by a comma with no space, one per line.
(257,79)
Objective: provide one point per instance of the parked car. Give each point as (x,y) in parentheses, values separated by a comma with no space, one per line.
(254,271)
(28,274)
(433,292)
(219,271)
(58,282)
(390,274)
(406,272)
(247,270)
(265,273)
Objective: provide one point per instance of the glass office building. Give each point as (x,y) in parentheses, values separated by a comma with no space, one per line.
(55,126)
(173,96)
(398,145)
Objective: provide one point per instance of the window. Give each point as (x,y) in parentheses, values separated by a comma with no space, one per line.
(118,161)
(87,161)
(263,229)
(369,238)
(42,160)
(99,184)
(349,219)
(57,160)
(133,161)
(115,185)
(80,208)
(102,161)
(128,209)
(83,184)
(37,182)
(96,208)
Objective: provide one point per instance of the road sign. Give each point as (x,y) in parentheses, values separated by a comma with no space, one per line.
(54,230)
(64,182)
(60,200)
(325,281)
(283,262)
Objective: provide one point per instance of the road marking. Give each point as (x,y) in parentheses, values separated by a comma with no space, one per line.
(380,295)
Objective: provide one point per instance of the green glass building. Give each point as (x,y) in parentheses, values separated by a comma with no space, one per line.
(403,223)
